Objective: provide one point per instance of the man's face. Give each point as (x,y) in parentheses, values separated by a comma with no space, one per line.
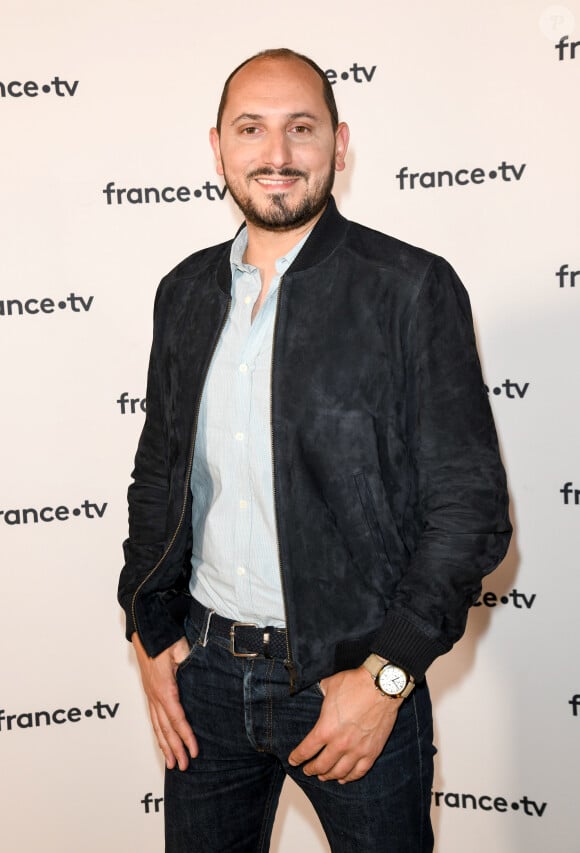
(276,147)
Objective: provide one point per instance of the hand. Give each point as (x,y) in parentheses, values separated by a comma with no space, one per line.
(171,728)
(354,725)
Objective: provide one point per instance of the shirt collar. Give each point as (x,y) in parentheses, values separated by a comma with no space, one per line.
(239,247)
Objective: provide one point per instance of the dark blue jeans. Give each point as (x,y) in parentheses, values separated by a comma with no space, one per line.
(247,723)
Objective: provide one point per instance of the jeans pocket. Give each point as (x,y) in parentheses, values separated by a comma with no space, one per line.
(187,660)
(194,645)
(318,690)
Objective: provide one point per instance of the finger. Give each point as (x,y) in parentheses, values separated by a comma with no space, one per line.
(184,731)
(349,768)
(308,748)
(171,744)
(167,702)
(174,734)
(189,739)
(360,769)
(326,761)
(161,739)
(178,734)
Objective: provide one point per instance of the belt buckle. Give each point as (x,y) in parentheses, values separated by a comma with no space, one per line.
(233,627)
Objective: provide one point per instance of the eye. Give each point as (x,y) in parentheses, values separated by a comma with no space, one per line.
(250,130)
(300,129)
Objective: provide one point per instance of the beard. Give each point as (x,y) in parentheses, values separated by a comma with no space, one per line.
(277,214)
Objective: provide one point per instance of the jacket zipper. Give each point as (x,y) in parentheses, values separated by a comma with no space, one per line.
(289,660)
(188,470)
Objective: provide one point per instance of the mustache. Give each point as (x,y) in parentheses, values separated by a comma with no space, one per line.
(285,172)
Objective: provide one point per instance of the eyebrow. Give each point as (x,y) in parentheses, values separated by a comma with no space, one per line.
(258,117)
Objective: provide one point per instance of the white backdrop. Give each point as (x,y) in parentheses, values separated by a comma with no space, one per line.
(120,93)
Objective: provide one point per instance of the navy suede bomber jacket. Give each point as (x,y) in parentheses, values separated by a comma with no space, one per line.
(390,495)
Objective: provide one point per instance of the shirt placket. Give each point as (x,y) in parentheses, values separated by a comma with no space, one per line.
(248,288)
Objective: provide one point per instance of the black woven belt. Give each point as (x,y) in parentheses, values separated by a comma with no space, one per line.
(246,639)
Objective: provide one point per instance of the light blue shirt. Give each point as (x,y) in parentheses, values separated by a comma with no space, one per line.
(235,565)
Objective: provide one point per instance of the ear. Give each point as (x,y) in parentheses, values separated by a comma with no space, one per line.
(214,141)
(341,137)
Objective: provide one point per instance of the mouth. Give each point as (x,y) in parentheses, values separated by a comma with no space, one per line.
(277,180)
(276,183)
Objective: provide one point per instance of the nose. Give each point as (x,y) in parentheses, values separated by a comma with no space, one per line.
(277,149)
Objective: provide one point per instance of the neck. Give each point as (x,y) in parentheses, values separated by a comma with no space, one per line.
(265,247)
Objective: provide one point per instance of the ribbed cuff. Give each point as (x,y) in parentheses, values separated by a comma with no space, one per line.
(401,642)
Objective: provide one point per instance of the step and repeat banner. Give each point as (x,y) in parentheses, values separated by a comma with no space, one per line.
(465,133)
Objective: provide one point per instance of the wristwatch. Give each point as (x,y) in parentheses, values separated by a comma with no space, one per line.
(389,679)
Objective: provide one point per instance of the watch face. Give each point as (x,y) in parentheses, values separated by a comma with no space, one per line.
(392,680)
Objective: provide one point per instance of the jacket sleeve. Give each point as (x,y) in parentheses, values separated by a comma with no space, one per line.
(462,502)
(148,494)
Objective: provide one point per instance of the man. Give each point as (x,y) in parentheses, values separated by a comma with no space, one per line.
(317,494)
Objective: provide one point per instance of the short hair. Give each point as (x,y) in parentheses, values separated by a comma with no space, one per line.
(283,53)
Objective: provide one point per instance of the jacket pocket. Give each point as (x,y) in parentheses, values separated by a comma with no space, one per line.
(383,538)
(360,536)
(366,500)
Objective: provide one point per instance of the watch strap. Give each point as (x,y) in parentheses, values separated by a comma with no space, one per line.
(373,664)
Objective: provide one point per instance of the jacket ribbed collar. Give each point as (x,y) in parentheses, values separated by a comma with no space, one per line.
(326,234)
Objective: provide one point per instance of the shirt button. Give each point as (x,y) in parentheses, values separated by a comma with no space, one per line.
(243,504)
(240,571)
(243,368)
(239,436)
